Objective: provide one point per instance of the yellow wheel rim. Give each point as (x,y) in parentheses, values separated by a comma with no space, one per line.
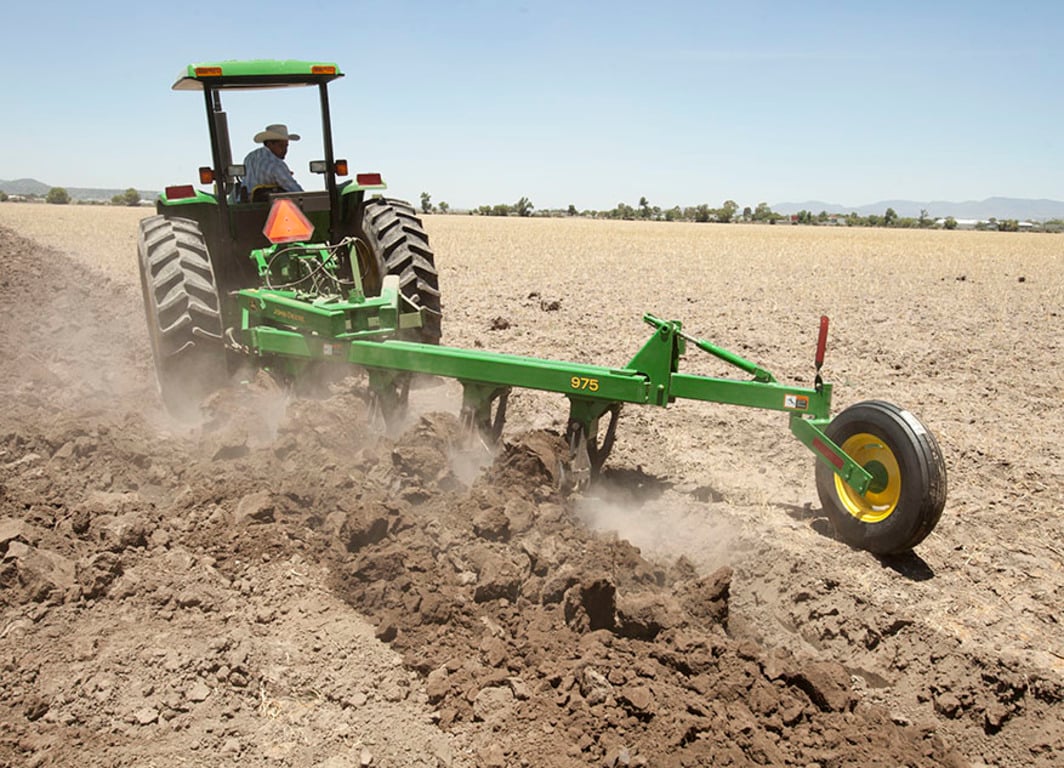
(881,499)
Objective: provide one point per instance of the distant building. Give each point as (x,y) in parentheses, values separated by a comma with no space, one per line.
(982,224)
(966,223)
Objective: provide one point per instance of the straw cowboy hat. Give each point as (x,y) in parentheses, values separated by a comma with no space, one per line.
(276,132)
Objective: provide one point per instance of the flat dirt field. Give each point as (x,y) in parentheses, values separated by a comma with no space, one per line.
(283,584)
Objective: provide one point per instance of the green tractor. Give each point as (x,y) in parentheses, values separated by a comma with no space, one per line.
(333,279)
(203,247)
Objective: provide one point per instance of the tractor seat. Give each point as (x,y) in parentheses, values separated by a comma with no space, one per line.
(261,193)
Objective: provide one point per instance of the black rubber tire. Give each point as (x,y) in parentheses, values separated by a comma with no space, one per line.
(183,311)
(909,460)
(399,245)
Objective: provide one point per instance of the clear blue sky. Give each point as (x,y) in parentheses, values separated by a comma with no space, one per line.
(589,103)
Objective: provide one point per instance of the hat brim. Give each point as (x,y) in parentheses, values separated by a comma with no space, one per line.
(262,136)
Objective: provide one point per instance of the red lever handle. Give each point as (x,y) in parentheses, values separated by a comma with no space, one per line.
(822,341)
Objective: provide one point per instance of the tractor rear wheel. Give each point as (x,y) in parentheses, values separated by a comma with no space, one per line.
(183,311)
(908,491)
(398,245)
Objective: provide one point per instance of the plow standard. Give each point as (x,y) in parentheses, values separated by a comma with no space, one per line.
(304,279)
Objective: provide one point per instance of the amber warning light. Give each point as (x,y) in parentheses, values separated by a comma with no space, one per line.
(287,224)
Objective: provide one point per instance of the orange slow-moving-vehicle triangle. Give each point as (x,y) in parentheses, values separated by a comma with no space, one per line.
(287,224)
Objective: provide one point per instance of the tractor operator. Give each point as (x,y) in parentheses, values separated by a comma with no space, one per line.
(265,166)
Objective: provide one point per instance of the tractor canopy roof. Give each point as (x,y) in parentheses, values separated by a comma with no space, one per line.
(257,73)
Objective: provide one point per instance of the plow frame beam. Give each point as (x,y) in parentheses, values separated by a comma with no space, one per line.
(360,333)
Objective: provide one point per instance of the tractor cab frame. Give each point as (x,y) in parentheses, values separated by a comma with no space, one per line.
(233,227)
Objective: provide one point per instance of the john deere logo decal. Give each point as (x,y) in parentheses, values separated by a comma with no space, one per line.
(285,314)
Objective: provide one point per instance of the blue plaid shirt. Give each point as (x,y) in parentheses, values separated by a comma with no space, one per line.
(262,166)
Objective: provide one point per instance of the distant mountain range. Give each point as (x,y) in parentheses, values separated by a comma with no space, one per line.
(34,187)
(1021,209)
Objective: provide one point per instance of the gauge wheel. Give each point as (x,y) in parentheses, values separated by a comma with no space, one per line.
(905,499)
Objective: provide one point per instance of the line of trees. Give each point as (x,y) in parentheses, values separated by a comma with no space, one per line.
(729,212)
(523,207)
(60,196)
(702,213)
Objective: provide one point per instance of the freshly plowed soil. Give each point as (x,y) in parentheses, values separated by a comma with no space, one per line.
(285,583)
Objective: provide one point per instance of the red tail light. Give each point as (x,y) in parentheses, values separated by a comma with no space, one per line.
(181,192)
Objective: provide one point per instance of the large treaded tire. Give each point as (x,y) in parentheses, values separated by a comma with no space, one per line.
(908,493)
(399,245)
(183,311)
